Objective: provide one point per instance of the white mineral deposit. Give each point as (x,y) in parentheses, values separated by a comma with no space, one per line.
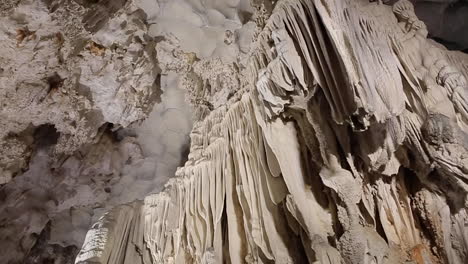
(233,131)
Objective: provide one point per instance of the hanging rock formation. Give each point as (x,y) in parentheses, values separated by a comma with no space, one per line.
(324,132)
(344,144)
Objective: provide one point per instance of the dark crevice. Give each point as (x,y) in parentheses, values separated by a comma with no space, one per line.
(449,44)
(445,20)
(378,225)
(44,253)
(185,153)
(225,230)
(55,82)
(45,136)
(414,186)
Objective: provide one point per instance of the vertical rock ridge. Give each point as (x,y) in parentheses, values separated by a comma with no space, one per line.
(332,151)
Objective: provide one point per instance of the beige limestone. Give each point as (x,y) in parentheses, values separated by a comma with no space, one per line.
(324,132)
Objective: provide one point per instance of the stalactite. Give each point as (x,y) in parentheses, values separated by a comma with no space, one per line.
(340,136)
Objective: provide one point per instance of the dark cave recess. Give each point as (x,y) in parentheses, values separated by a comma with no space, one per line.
(446,21)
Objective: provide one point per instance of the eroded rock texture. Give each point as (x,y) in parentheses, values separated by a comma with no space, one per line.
(323,132)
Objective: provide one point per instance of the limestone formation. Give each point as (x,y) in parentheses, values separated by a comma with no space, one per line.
(320,132)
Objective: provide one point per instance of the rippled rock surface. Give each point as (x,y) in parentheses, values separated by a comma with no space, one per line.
(185,131)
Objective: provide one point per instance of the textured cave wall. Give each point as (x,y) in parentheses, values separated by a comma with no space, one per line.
(306,132)
(77,80)
(344,142)
(93,114)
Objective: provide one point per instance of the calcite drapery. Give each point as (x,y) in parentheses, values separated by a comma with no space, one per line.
(326,132)
(345,144)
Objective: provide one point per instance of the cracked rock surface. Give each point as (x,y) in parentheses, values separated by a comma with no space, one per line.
(233,131)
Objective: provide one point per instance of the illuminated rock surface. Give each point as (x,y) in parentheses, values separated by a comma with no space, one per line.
(185,131)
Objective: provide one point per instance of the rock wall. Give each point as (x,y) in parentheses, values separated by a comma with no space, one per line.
(324,132)
(345,143)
